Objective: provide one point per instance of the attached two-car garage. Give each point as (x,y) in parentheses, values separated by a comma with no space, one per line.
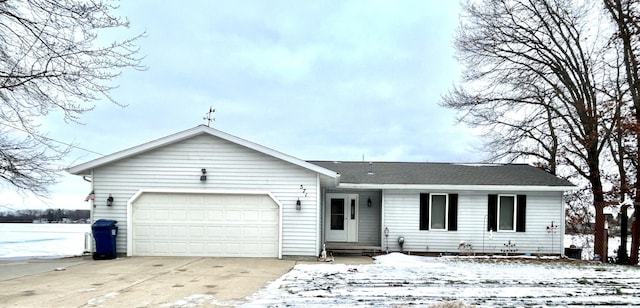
(216,224)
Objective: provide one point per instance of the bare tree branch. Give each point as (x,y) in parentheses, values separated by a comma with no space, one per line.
(52,60)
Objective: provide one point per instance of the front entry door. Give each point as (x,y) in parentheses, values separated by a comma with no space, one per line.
(341,218)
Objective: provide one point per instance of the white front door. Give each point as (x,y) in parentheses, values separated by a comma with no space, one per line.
(341,218)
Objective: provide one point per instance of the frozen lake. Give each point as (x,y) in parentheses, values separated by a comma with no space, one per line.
(28,241)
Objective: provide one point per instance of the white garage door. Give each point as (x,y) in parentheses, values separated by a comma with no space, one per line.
(217,225)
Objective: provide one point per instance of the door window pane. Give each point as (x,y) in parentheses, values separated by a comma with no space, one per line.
(506,213)
(438,211)
(337,214)
(353,209)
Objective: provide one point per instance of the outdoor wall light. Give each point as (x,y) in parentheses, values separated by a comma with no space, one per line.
(298,205)
(203,177)
(369,202)
(110,200)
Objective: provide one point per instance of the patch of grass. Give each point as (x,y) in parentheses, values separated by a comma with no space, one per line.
(584,281)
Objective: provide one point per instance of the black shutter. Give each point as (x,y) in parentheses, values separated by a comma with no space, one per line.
(453,212)
(424,211)
(492,213)
(521,213)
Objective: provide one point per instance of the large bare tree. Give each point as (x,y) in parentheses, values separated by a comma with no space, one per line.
(51,60)
(539,59)
(626,17)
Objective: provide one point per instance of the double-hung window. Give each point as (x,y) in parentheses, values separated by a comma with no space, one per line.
(438,211)
(507,213)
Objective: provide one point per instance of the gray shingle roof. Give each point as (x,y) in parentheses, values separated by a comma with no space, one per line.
(442,174)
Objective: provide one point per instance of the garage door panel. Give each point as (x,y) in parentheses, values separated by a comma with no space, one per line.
(268,219)
(253,232)
(232,232)
(144,246)
(197,232)
(177,248)
(233,248)
(178,231)
(232,215)
(214,231)
(205,225)
(197,215)
(214,215)
(160,231)
(143,230)
(269,232)
(160,247)
(250,215)
(179,214)
(198,248)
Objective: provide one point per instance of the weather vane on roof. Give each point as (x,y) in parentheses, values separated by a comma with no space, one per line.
(208,116)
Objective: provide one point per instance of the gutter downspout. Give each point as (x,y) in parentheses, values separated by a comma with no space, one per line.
(562,224)
(319,237)
(91,209)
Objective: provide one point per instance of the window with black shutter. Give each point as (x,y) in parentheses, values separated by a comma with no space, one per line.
(492,216)
(521,213)
(424,211)
(439,211)
(453,212)
(507,213)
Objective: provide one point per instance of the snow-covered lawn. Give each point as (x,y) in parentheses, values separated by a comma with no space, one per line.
(400,280)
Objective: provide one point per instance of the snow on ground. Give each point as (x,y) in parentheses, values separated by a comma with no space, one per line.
(402,280)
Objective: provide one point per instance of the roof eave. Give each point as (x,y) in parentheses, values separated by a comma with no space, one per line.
(458,187)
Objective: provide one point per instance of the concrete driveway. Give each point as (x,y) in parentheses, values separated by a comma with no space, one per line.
(134,282)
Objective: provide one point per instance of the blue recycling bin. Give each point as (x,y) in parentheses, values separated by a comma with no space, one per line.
(104,233)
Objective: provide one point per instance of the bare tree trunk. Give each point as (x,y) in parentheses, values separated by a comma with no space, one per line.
(623,255)
(635,228)
(600,245)
(625,18)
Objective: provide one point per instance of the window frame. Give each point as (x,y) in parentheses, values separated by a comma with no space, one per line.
(446,212)
(514,221)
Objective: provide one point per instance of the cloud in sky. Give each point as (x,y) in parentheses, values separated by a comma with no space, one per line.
(319,80)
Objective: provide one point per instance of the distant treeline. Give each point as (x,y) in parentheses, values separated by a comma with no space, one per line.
(48,215)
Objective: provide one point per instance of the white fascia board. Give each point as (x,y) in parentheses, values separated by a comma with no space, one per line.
(84,168)
(457,187)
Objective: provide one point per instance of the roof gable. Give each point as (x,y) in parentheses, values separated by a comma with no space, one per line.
(85,168)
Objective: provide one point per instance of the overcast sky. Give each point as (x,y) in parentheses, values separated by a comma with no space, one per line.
(319,80)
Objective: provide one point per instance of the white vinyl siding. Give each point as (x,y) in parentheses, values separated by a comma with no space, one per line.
(369,219)
(229,166)
(401,212)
